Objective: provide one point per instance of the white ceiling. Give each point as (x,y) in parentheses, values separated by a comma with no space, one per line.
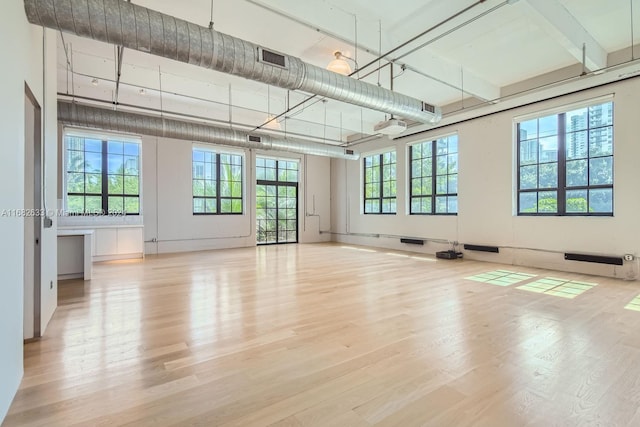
(501,44)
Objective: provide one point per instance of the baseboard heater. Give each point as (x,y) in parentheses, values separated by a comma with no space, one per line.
(611,260)
(482,248)
(412,241)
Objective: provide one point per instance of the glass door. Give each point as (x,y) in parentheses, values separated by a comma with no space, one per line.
(276,201)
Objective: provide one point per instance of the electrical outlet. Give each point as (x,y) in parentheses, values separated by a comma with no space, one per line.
(629,257)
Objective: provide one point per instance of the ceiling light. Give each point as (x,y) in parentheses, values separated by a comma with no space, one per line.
(95,82)
(390,127)
(339,65)
(272,123)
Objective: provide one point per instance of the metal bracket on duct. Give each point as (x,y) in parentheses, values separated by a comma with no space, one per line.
(135,27)
(99,118)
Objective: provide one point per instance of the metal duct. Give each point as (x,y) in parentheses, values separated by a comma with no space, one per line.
(135,27)
(82,115)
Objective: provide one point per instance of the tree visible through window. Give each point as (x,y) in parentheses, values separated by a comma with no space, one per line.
(565,163)
(380,183)
(217,182)
(102,176)
(434,176)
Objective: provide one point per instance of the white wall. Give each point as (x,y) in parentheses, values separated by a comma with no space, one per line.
(486,183)
(22,43)
(167,200)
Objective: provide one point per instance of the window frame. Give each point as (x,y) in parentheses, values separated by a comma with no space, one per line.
(104,138)
(381,198)
(434,175)
(561,188)
(217,153)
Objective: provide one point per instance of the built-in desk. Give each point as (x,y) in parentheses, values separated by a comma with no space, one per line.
(68,253)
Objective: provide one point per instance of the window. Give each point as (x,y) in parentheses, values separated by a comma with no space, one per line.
(380,183)
(434,176)
(565,163)
(102,175)
(217,182)
(276,201)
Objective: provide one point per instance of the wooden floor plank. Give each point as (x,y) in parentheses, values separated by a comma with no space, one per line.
(329,334)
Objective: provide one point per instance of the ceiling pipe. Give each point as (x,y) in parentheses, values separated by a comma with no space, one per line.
(135,27)
(73,114)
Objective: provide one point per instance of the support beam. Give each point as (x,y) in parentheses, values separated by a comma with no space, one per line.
(559,23)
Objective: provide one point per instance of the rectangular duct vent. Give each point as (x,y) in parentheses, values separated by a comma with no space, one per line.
(272,58)
(428,107)
(594,258)
(412,241)
(253,138)
(349,152)
(482,248)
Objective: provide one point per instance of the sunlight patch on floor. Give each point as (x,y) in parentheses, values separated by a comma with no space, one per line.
(634,304)
(501,277)
(558,287)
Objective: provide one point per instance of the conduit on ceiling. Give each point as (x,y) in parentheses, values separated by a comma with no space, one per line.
(135,27)
(74,114)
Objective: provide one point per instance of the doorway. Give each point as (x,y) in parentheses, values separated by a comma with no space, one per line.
(32,204)
(276,201)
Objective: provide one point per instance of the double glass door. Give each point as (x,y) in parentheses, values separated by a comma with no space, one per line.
(276,201)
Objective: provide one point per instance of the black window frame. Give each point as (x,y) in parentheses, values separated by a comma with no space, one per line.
(104,173)
(562,188)
(219,198)
(381,198)
(434,177)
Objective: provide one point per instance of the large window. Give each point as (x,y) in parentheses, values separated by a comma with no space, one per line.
(434,176)
(565,163)
(276,201)
(217,182)
(380,183)
(102,175)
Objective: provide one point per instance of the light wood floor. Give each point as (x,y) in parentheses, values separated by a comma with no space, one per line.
(327,335)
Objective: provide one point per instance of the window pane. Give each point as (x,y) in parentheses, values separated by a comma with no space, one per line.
(549,149)
(441,165)
(452,204)
(131,149)
(548,201)
(548,175)
(441,147)
(528,202)
(441,184)
(131,205)
(93,205)
(225,206)
(75,183)
(528,177)
(210,206)
(236,206)
(548,126)
(115,147)
(529,152)
(415,205)
(576,120)
(601,142)
(576,143)
(116,164)
(93,183)
(116,204)
(426,204)
(452,163)
(131,165)
(577,201)
(75,161)
(601,171)
(198,187)
(576,173)
(92,145)
(453,144)
(198,156)
(601,201)
(427,186)
(198,205)
(116,184)
(528,130)
(441,204)
(131,185)
(93,162)
(601,115)
(75,204)
(209,188)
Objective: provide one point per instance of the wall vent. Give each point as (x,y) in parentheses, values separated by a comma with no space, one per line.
(594,258)
(482,248)
(412,241)
(254,138)
(273,58)
(428,107)
(349,152)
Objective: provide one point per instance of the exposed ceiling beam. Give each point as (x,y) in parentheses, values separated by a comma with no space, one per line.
(558,22)
(332,24)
